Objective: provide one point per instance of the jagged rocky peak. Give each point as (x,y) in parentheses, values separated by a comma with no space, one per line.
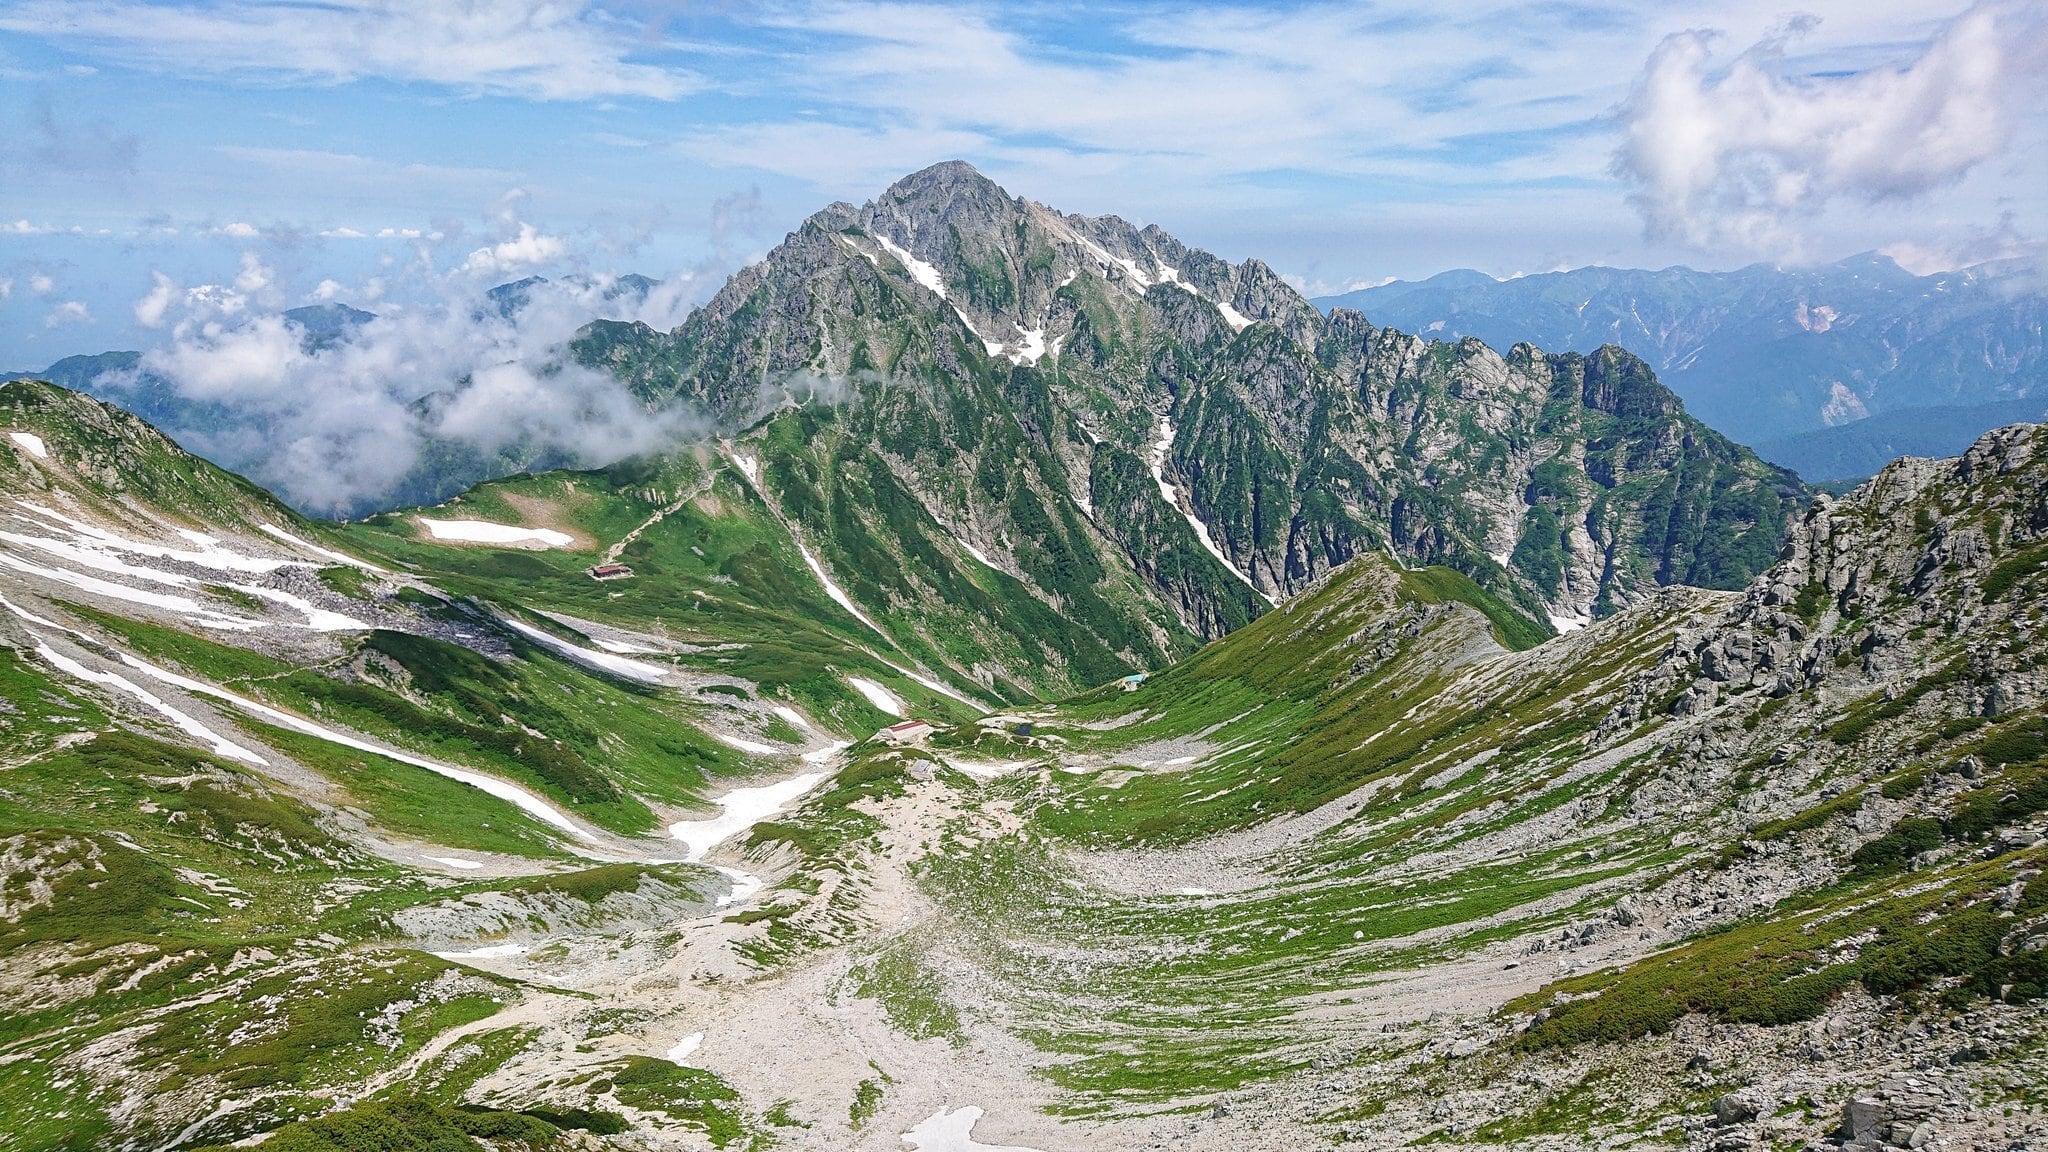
(1002,260)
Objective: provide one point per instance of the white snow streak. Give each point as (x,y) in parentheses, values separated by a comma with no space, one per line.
(222,746)
(31,443)
(194,611)
(1565,624)
(317,619)
(209,555)
(1172,498)
(877,695)
(682,1048)
(745,745)
(512,794)
(485,532)
(337,557)
(639,670)
(740,809)
(825,754)
(454,862)
(920,271)
(953,1131)
(792,715)
(837,593)
(624,648)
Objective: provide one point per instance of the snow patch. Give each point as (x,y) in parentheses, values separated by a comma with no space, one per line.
(1172,498)
(325,553)
(837,593)
(681,1049)
(877,695)
(31,443)
(749,466)
(623,648)
(193,611)
(977,553)
(489,952)
(485,532)
(1565,624)
(791,715)
(220,744)
(512,794)
(1238,321)
(1033,348)
(754,747)
(317,619)
(744,885)
(825,754)
(455,862)
(209,555)
(639,670)
(920,271)
(740,809)
(953,1131)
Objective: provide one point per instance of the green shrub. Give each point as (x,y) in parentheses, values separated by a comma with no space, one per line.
(1896,848)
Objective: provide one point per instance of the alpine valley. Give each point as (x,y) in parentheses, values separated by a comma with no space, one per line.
(1074,694)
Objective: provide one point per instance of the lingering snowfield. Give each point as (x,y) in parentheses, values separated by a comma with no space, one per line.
(977,553)
(755,747)
(877,695)
(453,862)
(209,554)
(984,769)
(485,532)
(749,467)
(1565,624)
(681,1049)
(825,754)
(920,271)
(324,553)
(317,619)
(837,593)
(952,1130)
(740,809)
(31,443)
(489,952)
(193,611)
(792,715)
(1237,320)
(504,790)
(1034,345)
(1168,493)
(639,670)
(221,745)
(622,648)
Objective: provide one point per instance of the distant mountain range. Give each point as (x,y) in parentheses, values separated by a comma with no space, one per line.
(1786,360)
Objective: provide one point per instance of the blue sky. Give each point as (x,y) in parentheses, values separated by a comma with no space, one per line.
(161,162)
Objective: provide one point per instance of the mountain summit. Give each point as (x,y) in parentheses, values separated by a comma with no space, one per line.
(1057,386)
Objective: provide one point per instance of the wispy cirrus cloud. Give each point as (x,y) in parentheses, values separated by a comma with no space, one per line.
(540,49)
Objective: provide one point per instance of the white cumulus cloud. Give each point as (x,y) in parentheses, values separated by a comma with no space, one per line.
(153,307)
(69,312)
(529,248)
(1743,154)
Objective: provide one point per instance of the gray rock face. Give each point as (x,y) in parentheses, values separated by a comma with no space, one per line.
(1062,348)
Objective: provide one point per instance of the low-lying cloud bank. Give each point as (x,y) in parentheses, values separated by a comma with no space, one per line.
(343,415)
